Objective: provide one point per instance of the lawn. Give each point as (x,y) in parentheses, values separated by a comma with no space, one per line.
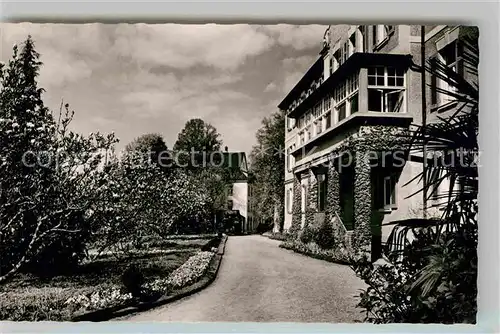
(31,298)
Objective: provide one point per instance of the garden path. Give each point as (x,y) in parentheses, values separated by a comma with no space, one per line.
(260,282)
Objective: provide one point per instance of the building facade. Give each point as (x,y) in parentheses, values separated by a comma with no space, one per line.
(240,191)
(346,157)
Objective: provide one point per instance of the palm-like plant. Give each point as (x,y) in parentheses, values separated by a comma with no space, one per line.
(439,267)
(450,145)
(450,250)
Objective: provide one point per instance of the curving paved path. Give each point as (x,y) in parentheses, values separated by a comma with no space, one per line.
(259,282)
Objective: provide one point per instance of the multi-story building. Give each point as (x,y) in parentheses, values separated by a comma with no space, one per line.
(345,160)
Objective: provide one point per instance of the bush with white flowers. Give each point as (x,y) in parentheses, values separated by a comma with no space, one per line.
(98,300)
(190,272)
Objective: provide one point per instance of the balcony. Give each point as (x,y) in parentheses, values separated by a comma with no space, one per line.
(355,120)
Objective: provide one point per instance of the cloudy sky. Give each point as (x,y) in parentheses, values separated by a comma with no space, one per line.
(136,79)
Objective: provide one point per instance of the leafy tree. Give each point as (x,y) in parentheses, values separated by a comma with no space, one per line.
(43,197)
(138,200)
(149,147)
(267,166)
(198,137)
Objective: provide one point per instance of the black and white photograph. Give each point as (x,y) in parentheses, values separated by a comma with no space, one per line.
(263,173)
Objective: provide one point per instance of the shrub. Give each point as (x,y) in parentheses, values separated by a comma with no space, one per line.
(191,271)
(282,236)
(337,255)
(214,243)
(98,300)
(42,202)
(323,235)
(435,282)
(132,279)
(306,234)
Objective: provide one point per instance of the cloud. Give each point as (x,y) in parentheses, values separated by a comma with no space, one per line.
(184,46)
(301,63)
(299,37)
(291,79)
(271,87)
(60,46)
(136,79)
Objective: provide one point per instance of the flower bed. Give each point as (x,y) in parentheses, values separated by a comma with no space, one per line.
(98,300)
(337,255)
(95,285)
(190,272)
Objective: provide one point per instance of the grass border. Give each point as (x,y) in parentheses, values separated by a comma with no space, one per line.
(127,309)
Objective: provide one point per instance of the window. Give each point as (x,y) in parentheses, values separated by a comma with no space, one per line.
(352,83)
(354,103)
(352,41)
(342,53)
(380,33)
(389,191)
(385,89)
(346,51)
(385,100)
(317,110)
(374,35)
(319,126)
(328,120)
(288,154)
(327,103)
(322,192)
(434,79)
(451,57)
(308,133)
(302,139)
(376,76)
(395,77)
(341,110)
(362,43)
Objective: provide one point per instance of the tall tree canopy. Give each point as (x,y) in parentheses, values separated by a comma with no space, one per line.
(268,167)
(47,174)
(199,136)
(148,146)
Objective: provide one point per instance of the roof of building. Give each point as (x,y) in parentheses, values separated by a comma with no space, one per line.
(234,162)
(314,72)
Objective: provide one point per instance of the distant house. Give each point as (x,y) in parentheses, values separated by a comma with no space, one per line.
(240,191)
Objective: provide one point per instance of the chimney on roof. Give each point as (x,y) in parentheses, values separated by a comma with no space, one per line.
(225,148)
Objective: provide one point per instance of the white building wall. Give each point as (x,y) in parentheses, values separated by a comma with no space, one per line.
(240,199)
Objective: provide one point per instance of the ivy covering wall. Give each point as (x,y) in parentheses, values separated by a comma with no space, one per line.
(360,145)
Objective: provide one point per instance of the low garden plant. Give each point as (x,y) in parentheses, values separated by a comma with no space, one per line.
(336,255)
